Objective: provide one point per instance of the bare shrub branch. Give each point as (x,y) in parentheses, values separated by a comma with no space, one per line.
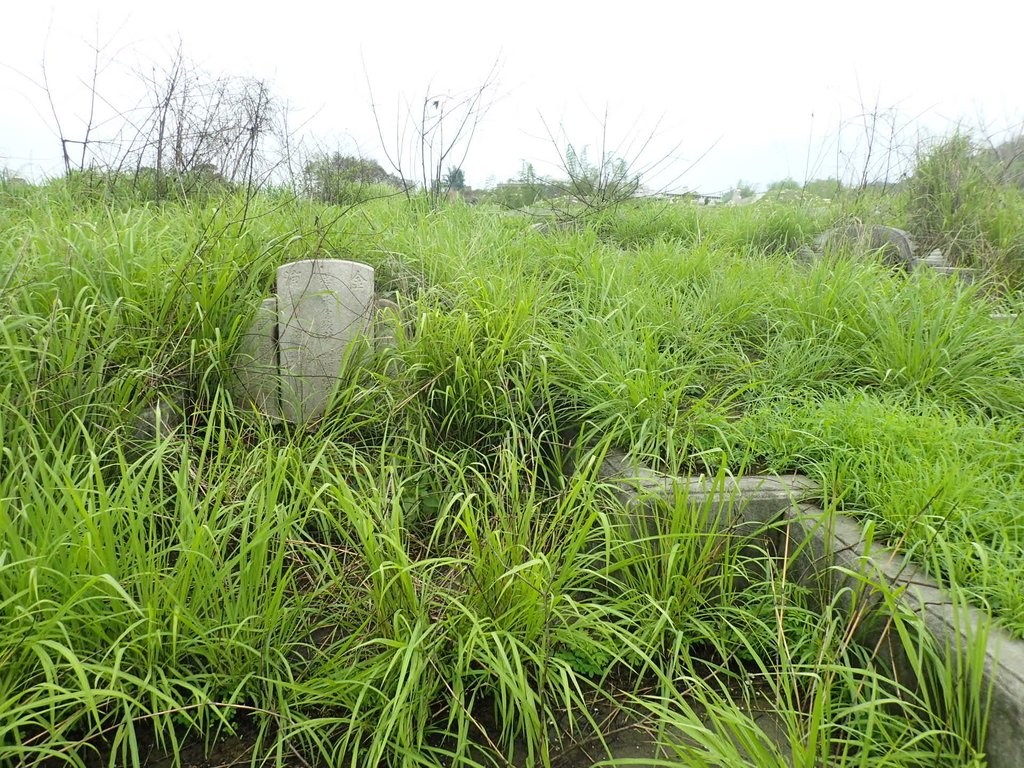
(438,133)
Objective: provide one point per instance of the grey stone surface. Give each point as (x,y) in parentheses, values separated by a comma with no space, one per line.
(553,225)
(895,245)
(387,320)
(1009,318)
(836,542)
(939,264)
(325,307)
(828,553)
(388,323)
(934,259)
(750,505)
(750,509)
(806,255)
(289,360)
(256,377)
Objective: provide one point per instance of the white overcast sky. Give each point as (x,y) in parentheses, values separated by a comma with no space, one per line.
(766,89)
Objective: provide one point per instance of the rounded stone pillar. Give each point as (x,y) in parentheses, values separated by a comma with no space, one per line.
(325,308)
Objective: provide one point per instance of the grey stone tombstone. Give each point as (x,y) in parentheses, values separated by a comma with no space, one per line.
(153,425)
(256,379)
(324,321)
(387,318)
(324,311)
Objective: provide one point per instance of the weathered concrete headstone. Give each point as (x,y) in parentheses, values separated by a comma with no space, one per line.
(806,255)
(966,275)
(387,318)
(551,227)
(1010,318)
(324,309)
(257,370)
(934,260)
(937,262)
(324,320)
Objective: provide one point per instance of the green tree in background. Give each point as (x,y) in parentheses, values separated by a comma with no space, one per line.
(455,179)
(741,191)
(787,184)
(824,188)
(599,185)
(345,179)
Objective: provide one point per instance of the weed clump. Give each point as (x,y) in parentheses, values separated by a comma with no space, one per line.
(960,201)
(436,572)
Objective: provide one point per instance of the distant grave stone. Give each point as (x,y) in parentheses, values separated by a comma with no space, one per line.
(937,262)
(895,245)
(257,368)
(1005,317)
(830,555)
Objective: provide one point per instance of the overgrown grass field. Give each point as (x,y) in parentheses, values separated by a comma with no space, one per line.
(416,579)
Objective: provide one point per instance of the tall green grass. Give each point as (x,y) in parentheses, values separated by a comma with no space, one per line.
(958,200)
(434,572)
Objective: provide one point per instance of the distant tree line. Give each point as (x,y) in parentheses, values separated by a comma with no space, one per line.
(826,189)
(346,179)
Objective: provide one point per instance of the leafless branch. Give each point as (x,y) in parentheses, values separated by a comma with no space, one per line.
(443,126)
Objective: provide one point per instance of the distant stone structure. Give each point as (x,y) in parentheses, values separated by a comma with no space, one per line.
(895,245)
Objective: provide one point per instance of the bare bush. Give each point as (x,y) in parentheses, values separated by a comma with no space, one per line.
(187,130)
(433,135)
(202,128)
(592,186)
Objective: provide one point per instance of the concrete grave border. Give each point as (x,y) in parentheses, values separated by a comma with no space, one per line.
(828,552)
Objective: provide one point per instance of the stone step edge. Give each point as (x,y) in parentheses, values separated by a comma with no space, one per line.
(831,550)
